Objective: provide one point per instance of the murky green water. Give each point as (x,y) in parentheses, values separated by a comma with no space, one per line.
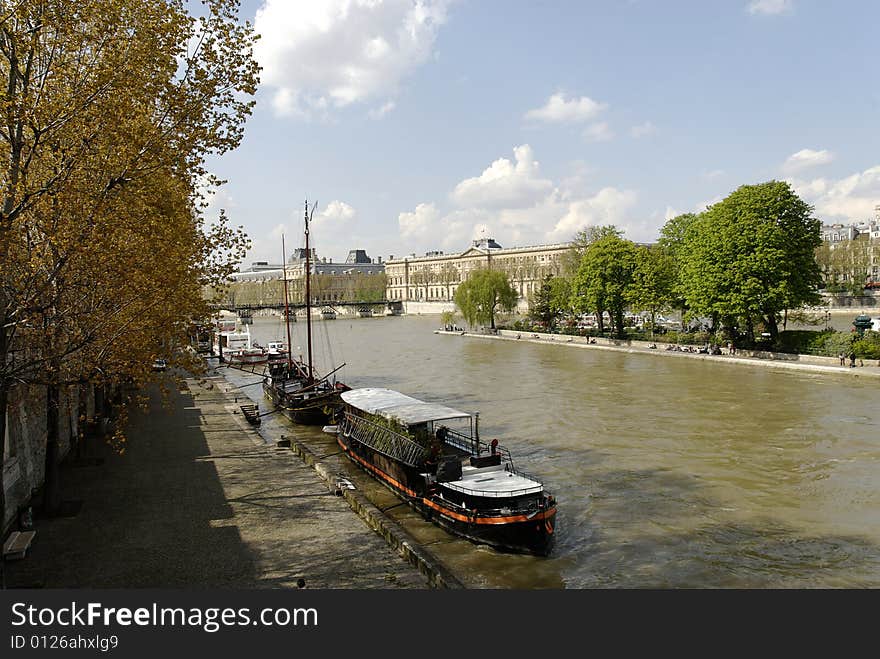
(670,472)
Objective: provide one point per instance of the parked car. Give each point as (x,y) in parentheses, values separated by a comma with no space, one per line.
(160,365)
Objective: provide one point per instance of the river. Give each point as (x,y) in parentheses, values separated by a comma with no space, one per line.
(670,473)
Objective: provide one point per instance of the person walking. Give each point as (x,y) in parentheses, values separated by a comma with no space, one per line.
(842,359)
(852,359)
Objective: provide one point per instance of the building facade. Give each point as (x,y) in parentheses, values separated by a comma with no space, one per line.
(850,253)
(435,276)
(358,279)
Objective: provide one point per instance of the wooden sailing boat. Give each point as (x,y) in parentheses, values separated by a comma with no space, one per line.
(292,385)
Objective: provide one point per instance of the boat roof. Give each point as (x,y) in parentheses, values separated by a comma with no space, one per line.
(493,482)
(399,407)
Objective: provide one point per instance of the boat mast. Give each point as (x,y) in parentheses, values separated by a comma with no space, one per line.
(308,296)
(286,307)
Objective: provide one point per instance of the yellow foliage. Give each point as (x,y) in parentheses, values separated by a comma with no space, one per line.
(110,110)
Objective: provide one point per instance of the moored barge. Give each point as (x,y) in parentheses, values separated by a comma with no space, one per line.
(431,456)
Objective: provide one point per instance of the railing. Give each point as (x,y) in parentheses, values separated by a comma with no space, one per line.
(476,447)
(384,440)
(461,441)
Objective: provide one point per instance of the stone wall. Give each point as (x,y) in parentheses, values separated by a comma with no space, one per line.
(25,463)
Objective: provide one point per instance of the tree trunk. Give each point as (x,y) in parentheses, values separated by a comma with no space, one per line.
(618,322)
(772,327)
(51,481)
(79,437)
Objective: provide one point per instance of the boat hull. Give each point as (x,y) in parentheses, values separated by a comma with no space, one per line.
(317,409)
(532,533)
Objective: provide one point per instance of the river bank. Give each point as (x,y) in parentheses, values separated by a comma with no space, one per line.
(812,363)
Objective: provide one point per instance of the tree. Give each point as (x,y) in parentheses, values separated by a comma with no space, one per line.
(752,256)
(110,111)
(447,276)
(582,240)
(653,281)
(540,305)
(847,265)
(605,278)
(673,241)
(484,294)
(551,301)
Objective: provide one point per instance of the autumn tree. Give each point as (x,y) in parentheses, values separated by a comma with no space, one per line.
(110,110)
(484,294)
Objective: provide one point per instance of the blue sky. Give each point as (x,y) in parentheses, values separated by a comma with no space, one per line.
(420,126)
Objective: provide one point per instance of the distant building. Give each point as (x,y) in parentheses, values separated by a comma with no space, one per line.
(851,252)
(258,271)
(435,276)
(358,278)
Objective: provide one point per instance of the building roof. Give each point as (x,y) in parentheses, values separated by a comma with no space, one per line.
(399,407)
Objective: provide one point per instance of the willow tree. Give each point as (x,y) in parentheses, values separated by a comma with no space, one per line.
(111,108)
(483,294)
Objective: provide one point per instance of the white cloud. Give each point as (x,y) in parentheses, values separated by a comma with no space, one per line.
(598,132)
(334,216)
(558,109)
(851,198)
(643,130)
(504,183)
(514,204)
(326,54)
(422,221)
(608,206)
(806,158)
(770,7)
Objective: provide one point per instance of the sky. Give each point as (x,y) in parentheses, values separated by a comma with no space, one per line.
(422,125)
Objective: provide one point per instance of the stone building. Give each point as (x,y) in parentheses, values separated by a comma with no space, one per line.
(357,279)
(435,276)
(850,252)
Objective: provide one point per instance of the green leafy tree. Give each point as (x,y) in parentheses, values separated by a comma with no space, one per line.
(484,294)
(673,240)
(560,297)
(581,241)
(752,256)
(540,305)
(605,278)
(653,281)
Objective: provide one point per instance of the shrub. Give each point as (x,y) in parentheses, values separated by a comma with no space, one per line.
(867,347)
(833,343)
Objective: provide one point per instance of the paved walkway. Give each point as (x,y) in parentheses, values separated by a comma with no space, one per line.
(199,500)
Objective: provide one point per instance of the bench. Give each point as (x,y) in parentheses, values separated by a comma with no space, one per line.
(251,413)
(17,544)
